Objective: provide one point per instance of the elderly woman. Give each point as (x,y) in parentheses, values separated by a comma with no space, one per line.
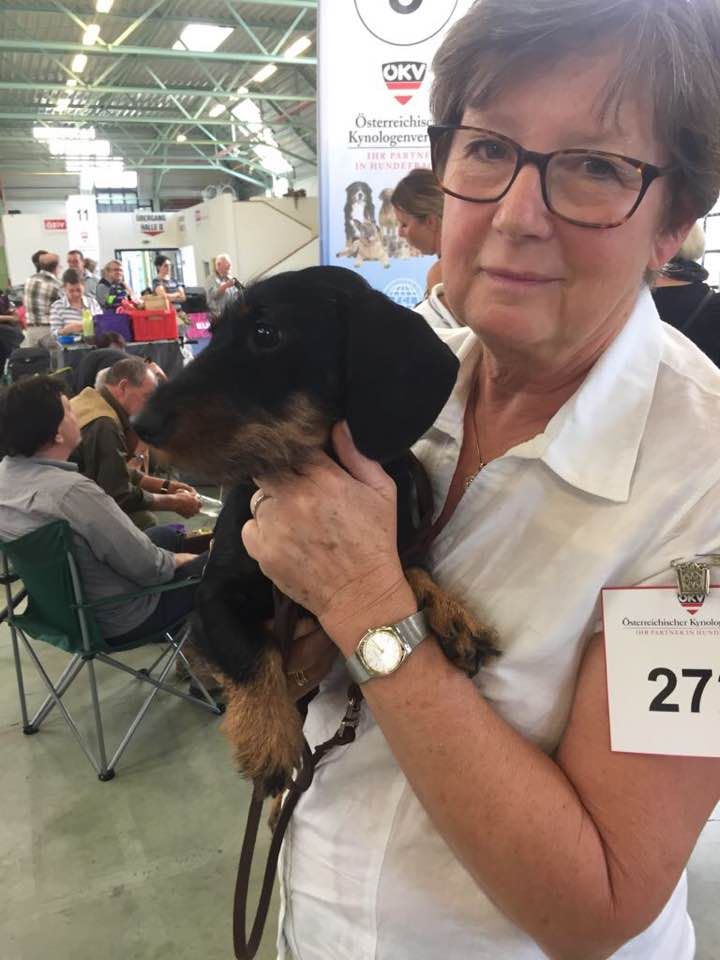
(576,143)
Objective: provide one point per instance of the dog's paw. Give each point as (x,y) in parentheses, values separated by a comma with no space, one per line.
(264,727)
(466,642)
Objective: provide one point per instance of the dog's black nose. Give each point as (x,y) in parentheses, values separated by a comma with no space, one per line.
(153,426)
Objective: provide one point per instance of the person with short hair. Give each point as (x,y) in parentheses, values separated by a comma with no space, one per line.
(42,289)
(223,287)
(66,314)
(165,283)
(107,442)
(76,261)
(38,484)
(112,289)
(494,815)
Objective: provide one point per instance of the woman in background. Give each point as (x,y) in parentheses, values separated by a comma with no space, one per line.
(418,204)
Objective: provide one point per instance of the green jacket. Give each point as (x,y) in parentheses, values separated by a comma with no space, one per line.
(104,449)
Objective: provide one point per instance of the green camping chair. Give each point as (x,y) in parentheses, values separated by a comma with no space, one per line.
(57,613)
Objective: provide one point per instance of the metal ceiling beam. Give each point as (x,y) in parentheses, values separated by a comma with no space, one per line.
(117,14)
(130,140)
(218,94)
(105,117)
(48,46)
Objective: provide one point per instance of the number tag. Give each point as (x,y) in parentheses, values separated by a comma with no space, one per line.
(663,666)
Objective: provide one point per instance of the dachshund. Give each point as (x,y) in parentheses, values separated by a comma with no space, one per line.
(302,351)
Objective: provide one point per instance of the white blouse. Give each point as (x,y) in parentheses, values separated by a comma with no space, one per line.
(625,477)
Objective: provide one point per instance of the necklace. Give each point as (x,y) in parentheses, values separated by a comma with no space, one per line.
(481,463)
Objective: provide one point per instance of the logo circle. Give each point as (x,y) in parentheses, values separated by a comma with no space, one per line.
(405,290)
(404,23)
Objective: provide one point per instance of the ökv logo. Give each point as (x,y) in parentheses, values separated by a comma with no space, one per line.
(405,23)
(691,602)
(403,79)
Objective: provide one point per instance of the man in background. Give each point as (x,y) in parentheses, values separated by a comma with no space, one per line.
(76,261)
(222,287)
(107,440)
(43,288)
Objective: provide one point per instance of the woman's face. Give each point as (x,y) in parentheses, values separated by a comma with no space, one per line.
(421,233)
(521,278)
(164,270)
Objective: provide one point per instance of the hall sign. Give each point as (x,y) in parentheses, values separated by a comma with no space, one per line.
(373,133)
(151,224)
(55,224)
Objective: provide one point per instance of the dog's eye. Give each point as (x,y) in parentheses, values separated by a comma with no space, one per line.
(266,337)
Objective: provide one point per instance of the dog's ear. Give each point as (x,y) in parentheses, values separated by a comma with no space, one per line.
(399,375)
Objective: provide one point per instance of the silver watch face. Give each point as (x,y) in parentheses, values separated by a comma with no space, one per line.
(382,651)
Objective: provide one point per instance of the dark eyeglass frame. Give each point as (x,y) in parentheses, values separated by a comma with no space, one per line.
(648,171)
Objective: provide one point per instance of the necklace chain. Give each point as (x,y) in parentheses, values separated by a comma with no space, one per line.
(481,463)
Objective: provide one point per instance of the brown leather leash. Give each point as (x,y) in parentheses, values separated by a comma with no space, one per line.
(287,614)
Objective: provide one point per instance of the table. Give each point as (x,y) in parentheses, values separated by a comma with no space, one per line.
(166,353)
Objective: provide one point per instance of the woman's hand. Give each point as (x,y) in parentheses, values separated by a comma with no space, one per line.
(327,538)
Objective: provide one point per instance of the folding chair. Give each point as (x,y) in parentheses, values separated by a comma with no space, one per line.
(57,613)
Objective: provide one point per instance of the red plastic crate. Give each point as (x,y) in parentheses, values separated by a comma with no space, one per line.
(153,324)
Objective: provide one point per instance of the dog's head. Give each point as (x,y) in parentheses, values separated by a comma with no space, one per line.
(304,350)
(358,192)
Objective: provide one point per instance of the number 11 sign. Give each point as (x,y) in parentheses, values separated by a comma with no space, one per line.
(82,224)
(663,667)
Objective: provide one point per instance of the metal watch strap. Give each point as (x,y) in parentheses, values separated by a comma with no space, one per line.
(412,631)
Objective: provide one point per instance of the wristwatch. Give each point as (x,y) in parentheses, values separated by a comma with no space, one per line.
(383,649)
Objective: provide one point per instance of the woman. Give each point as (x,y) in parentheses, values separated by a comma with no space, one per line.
(685,301)
(112,289)
(165,283)
(418,204)
(489,817)
(67,313)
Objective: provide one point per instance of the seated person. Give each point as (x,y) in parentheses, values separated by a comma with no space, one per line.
(11,334)
(112,289)
(66,314)
(107,441)
(38,432)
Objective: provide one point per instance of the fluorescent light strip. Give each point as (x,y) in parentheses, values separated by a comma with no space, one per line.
(91,35)
(79,63)
(267,71)
(204,37)
(298,47)
(217,109)
(104,6)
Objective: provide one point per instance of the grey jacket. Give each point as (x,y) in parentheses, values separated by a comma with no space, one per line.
(113,555)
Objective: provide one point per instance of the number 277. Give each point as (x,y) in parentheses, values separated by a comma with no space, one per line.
(659,703)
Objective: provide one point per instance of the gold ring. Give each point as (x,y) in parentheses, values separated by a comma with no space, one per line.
(257,498)
(300,678)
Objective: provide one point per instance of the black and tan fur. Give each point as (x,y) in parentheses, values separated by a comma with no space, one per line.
(304,350)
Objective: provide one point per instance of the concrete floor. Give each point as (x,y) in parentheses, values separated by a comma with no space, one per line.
(143,867)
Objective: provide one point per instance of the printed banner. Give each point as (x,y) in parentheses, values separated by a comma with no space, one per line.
(150,223)
(82,224)
(374,82)
(54,225)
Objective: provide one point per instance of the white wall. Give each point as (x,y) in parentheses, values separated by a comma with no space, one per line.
(119,231)
(271,231)
(210,228)
(24,234)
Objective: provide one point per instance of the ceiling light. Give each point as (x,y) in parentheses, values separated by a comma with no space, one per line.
(79,148)
(204,37)
(179,46)
(267,71)
(295,49)
(71,83)
(62,104)
(181,138)
(243,91)
(248,112)
(217,109)
(79,63)
(272,159)
(64,133)
(103,6)
(91,35)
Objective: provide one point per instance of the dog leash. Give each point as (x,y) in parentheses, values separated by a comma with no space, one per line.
(247,946)
(287,613)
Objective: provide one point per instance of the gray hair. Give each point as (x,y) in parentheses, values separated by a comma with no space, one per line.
(672,49)
(101,378)
(132,369)
(694,244)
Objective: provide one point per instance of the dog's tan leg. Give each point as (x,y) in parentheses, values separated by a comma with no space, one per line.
(264,726)
(464,640)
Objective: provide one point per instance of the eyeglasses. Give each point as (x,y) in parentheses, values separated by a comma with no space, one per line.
(590,188)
